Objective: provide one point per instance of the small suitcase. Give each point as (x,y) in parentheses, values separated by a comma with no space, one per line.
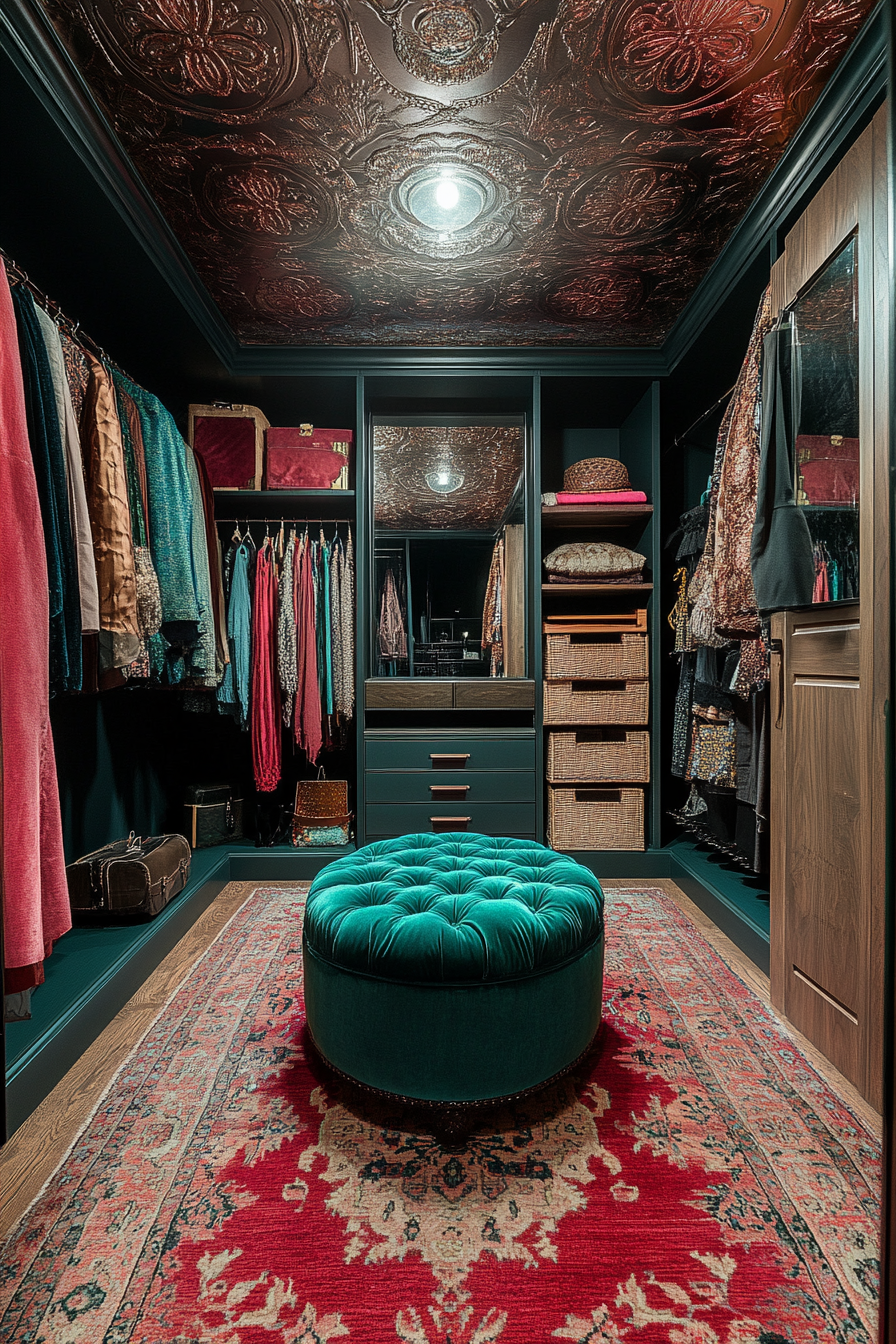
(129,880)
(212,816)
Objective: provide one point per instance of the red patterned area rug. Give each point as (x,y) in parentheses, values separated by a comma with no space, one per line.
(699,1184)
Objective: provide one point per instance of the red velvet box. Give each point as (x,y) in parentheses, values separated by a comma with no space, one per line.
(230,438)
(306,458)
(828,468)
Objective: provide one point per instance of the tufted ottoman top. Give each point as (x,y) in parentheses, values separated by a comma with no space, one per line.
(453,908)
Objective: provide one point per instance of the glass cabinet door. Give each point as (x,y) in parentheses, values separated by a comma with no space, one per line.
(449,554)
(825,374)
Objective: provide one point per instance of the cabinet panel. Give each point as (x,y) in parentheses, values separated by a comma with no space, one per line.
(437,786)
(431,752)
(814,649)
(826,902)
(494,694)
(400,693)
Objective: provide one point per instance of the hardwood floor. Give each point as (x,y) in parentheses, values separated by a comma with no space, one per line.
(36,1149)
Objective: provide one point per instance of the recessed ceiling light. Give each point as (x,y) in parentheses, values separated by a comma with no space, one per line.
(446,198)
(447,194)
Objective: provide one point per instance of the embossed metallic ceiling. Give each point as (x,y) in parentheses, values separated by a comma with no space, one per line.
(601,152)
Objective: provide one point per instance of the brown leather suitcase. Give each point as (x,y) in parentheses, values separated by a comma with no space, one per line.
(128,881)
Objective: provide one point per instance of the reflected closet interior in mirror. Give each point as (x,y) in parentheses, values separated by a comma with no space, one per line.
(449,571)
(826,414)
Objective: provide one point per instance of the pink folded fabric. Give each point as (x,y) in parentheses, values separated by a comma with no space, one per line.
(603,497)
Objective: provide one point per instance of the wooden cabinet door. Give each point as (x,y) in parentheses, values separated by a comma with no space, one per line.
(829,814)
(819,760)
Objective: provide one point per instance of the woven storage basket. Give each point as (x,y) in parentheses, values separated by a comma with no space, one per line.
(591,817)
(595,656)
(583,702)
(595,755)
(597,473)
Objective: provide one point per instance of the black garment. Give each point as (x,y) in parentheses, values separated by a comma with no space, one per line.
(681,721)
(781,551)
(48,454)
(692,531)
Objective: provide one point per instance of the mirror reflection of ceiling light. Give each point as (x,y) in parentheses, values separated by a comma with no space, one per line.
(444,480)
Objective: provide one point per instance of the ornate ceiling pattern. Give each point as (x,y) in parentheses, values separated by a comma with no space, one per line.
(598,153)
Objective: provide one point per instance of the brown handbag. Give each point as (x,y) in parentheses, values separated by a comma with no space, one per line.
(321,814)
(129,880)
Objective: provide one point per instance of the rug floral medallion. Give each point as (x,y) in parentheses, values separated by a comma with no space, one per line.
(698,1183)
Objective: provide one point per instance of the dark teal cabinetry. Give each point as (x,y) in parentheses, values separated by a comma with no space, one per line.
(419,780)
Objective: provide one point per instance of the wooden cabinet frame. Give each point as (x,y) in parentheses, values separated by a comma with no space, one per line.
(852,201)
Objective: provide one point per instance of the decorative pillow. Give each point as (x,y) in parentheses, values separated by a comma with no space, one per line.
(593,559)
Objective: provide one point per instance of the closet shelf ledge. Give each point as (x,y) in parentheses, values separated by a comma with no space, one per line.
(594,515)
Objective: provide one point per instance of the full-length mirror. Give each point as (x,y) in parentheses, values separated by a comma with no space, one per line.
(449,571)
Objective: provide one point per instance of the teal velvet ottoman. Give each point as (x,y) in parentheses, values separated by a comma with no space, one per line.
(453,968)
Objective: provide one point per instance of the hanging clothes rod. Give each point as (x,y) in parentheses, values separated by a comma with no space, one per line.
(286,521)
(17,275)
(682,437)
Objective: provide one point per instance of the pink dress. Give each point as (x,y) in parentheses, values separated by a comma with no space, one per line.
(264,710)
(32,866)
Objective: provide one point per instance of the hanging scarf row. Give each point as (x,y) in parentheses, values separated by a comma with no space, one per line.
(720,725)
(133,561)
(140,591)
(290,623)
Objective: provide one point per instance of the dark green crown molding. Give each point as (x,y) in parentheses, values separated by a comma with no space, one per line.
(503,361)
(844,106)
(36,51)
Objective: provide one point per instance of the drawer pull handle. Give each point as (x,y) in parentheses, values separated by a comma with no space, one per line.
(452,760)
(445,791)
(450,823)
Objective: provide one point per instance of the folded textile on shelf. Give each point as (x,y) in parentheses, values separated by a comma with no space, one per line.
(601,497)
(634,576)
(595,560)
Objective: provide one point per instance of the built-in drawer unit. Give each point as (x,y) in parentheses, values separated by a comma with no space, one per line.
(486,818)
(434,786)
(431,780)
(387,749)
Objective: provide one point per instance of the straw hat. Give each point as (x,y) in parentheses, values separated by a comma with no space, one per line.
(596,473)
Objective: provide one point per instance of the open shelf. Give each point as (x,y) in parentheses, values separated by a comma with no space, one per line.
(594,515)
(284,504)
(607,589)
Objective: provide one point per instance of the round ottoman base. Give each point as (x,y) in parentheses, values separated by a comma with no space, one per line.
(441,1042)
(447,1120)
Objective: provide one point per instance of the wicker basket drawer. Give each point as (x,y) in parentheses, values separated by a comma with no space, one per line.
(587,817)
(617,656)
(620,755)
(582,702)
